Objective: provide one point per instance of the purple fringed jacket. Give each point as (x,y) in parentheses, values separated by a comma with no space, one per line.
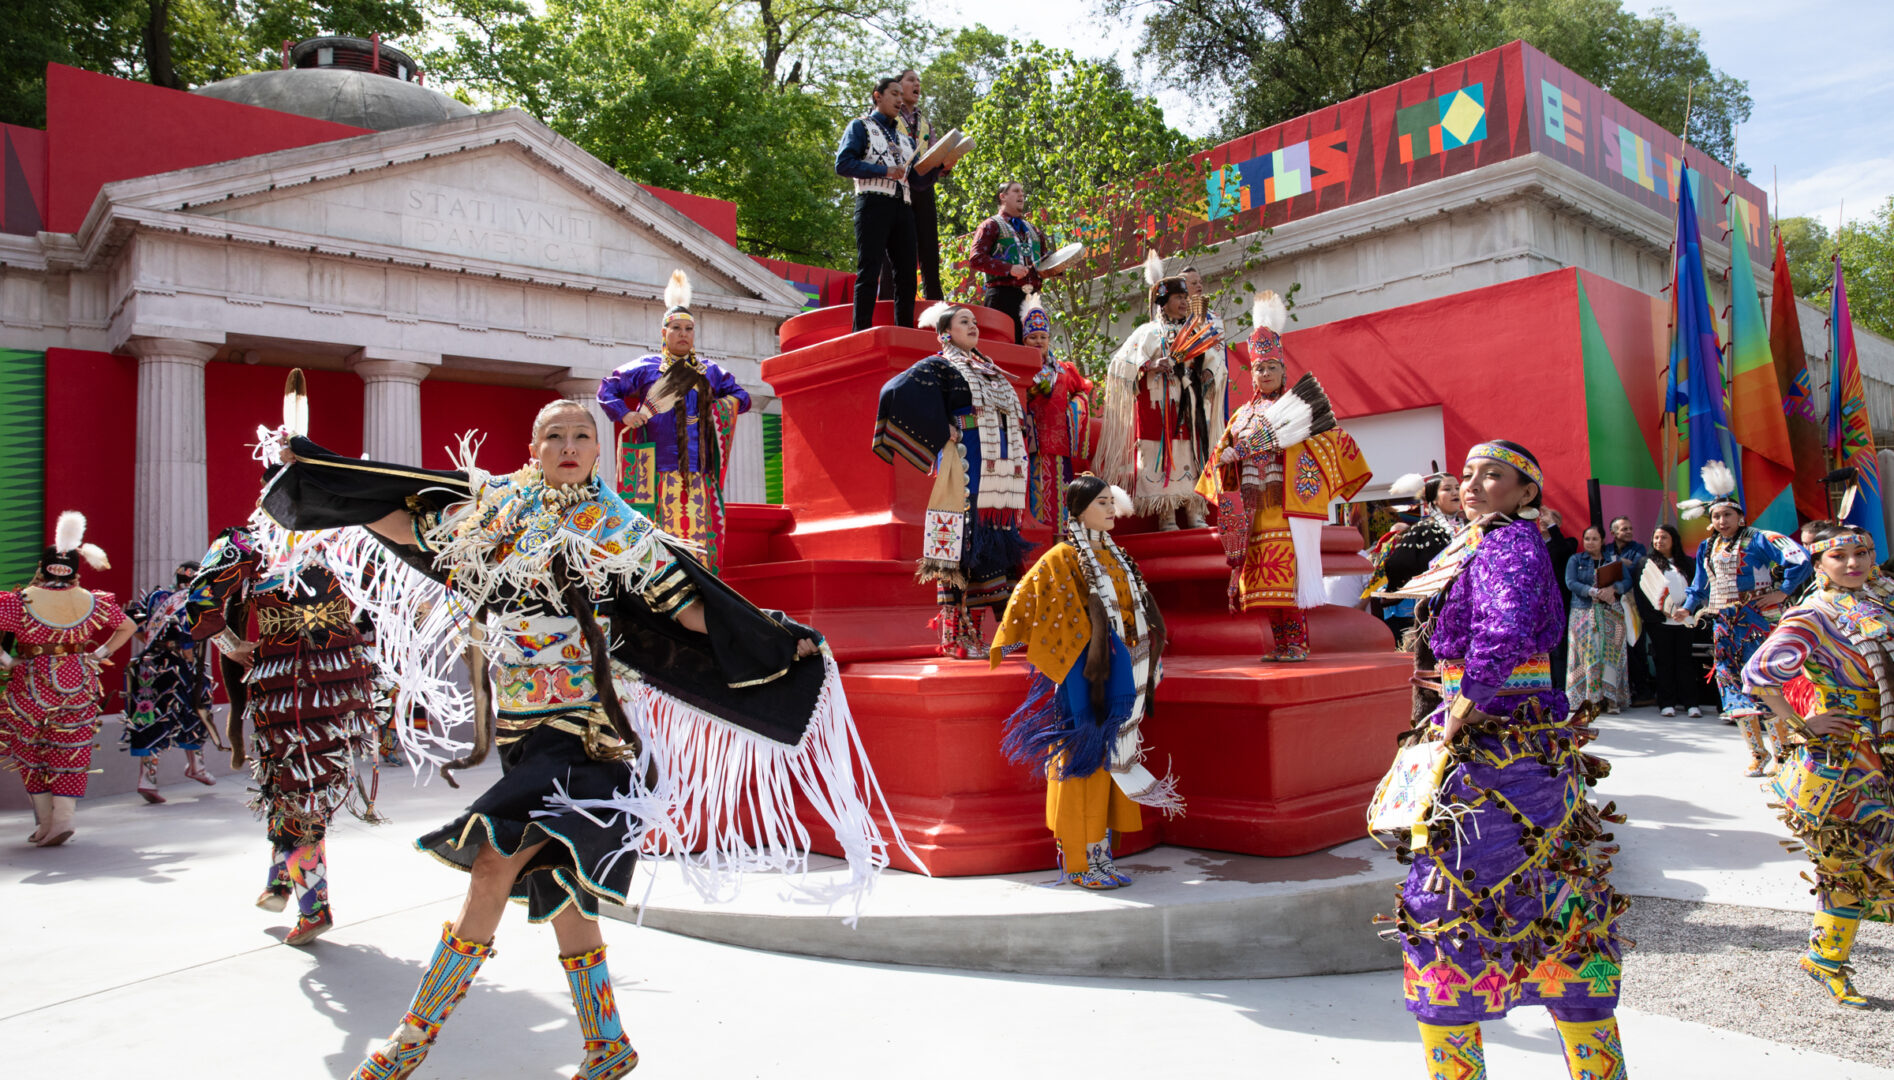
(624,390)
(1502,609)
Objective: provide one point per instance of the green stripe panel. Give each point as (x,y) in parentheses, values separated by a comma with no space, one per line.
(22,464)
(1619,455)
(773,458)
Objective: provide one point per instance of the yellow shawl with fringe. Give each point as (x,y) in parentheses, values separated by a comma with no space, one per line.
(1049,612)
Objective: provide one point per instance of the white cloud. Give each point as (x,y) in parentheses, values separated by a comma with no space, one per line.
(1857,188)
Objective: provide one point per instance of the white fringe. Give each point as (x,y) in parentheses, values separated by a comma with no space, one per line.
(734,796)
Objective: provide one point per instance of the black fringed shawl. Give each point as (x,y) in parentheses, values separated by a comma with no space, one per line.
(743,670)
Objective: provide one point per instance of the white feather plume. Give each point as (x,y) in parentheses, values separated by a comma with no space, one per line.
(677,292)
(930,319)
(1270,311)
(1153,269)
(1691,509)
(69,531)
(1409,486)
(1718,480)
(1031,303)
(94,555)
(1120,501)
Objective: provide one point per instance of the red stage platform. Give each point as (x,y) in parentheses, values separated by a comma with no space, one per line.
(1273,759)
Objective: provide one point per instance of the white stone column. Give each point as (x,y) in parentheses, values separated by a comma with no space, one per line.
(584,390)
(170,499)
(391,403)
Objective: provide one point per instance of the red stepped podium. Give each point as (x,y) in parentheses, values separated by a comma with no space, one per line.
(1273,759)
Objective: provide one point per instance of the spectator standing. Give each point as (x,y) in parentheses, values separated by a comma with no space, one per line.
(1560,547)
(1594,630)
(1680,674)
(1622,546)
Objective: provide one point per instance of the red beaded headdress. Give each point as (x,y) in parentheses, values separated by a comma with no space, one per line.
(1269,315)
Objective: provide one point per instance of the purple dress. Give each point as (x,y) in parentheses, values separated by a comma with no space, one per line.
(624,390)
(1511,905)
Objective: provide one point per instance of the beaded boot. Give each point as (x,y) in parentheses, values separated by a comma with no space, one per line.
(308,871)
(608,1052)
(148,779)
(1831,939)
(1098,858)
(1593,1050)
(448,976)
(1454,1051)
(194,768)
(275,894)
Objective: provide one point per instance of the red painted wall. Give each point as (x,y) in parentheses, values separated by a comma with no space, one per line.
(91,442)
(717,215)
(238,398)
(503,413)
(22,180)
(101,129)
(1502,362)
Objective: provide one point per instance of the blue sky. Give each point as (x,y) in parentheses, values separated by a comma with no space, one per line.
(1821,73)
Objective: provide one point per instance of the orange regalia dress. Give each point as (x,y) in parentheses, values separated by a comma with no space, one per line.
(1283,546)
(1092,756)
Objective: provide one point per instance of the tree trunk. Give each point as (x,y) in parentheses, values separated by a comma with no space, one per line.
(158,66)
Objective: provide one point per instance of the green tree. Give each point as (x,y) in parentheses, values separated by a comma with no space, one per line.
(178,44)
(1274,60)
(955,79)
(1867,259)
(1806,243)
(1100,166)
(639,86)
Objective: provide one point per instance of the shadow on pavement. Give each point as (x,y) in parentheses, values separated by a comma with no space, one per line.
(364,992)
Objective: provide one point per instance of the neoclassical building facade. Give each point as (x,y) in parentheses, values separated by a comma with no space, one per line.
(485,251)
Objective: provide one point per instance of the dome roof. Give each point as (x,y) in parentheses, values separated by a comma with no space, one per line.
(358,98)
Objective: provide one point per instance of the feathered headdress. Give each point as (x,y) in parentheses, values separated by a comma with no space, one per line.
(1161,288)
(1408,486)
(1268,315)
(1032,316)
(1720,482)
(677,298)
(60,562)
(937,316)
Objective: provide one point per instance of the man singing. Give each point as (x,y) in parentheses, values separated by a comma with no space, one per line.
(875,153)
(1008,249)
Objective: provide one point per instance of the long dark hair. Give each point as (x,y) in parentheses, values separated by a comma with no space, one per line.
(1664,562)
(1081,493)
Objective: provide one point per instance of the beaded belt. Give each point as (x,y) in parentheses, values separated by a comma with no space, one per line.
(58,648)
(1532,676)
(591,725)
(298,620)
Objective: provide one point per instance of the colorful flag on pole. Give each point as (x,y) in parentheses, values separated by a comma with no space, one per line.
(1755,400)
(1798,392)
(1850,436)
(1695,395)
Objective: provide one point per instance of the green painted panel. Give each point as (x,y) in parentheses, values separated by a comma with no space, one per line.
(773,458)
(22,464)
(1619,455)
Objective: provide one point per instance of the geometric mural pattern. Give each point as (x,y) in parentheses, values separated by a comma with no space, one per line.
(22,464)
(1441,124)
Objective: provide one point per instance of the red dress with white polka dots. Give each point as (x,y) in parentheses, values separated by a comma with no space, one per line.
(50,704)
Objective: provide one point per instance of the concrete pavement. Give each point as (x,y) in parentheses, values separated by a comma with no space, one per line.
(135,951)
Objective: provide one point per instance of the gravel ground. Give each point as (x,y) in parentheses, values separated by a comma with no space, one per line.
(1735,968)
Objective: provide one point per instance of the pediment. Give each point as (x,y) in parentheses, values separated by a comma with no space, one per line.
(519,202)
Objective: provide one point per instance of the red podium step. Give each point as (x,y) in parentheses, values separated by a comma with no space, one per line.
(1272,759)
